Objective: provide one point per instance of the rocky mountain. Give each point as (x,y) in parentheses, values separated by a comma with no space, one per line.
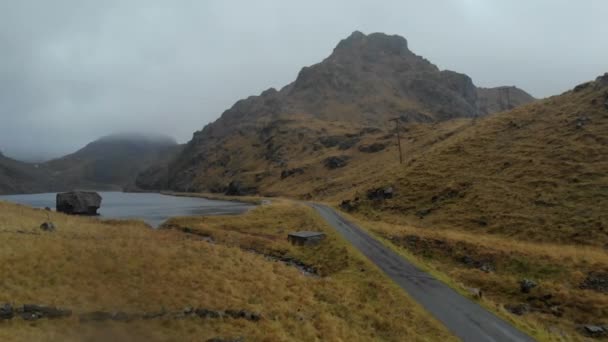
(365,82)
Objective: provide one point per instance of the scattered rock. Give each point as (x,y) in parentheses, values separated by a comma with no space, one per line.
(243,314)
(291,172)
(526,285)
(349,205)
(597,281)
(336,162)
(556,311)
(485,266)
(6,311)
(373,148)
(581,121)
(206,313)
(594,330)
(47,226)
(34,312)
(475,292)
(380,194)
(518,309)
(423,212)
(78,203)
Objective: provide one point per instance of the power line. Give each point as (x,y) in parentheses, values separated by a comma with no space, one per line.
(398,138)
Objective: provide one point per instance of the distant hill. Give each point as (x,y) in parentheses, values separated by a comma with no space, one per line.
(367,80)
(109,163)
(20,177)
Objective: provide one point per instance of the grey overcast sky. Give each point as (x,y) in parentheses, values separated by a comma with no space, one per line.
(74,70)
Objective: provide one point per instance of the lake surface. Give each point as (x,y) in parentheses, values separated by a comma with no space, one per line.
(150,207)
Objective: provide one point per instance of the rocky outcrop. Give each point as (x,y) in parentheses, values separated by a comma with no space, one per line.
(78,203)
(492,100)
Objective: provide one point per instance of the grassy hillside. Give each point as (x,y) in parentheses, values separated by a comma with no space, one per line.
(535,173)
(568,291)
(216,263)
(19,177)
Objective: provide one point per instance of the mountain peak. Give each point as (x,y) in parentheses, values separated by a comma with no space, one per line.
(374,42)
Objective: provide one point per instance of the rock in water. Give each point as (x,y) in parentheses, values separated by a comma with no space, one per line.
(78,203)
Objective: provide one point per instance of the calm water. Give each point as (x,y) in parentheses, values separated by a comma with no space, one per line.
(152,208)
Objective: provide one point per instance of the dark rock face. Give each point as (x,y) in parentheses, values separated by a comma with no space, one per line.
(32,312)
(350,205)
(380,194)
(518,309)
(6,311)
(78,203)
(373,148)
(236,188)
(336,162)
(596,281)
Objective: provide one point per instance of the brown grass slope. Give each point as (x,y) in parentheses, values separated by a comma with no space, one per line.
(367,80)
(537,173)
(88,265)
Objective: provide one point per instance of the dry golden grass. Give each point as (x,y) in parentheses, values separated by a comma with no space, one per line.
(89,265)
(558,269)
(529,174)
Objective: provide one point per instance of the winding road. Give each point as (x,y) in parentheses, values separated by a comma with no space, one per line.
(463,317)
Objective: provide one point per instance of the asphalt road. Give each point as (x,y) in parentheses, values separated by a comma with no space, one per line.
(462,316)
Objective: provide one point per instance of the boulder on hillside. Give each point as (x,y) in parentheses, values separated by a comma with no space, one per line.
(373,148)
(335,162)
(78,203)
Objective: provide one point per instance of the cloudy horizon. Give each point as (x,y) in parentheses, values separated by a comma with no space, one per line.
(72,71)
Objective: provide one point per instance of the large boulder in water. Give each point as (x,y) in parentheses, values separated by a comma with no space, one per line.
(78,203)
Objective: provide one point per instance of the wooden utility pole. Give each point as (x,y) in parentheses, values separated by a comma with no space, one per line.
(398,139)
